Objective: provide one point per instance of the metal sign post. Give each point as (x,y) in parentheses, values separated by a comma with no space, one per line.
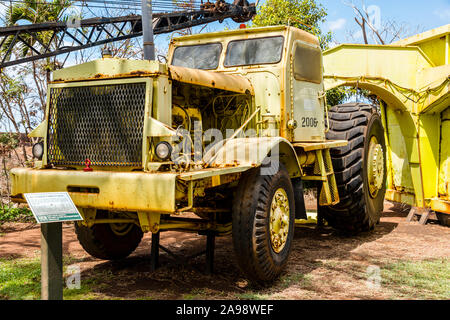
(50,210)
(51,261)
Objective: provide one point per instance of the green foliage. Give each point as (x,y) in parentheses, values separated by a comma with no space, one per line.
(303,14)
(337,96)
(307,15)
(8,214)
(34,11)
(8,142)
(340,95)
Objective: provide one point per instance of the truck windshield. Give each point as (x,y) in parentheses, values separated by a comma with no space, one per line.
(205,56)
(254,51)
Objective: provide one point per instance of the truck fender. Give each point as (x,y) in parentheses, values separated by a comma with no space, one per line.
(40,131)
(267,151)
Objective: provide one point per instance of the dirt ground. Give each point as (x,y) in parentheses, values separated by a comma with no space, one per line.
(323,264)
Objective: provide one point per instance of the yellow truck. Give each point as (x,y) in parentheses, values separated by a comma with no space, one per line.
(221,139)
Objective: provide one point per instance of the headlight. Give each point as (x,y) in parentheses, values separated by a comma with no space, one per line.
(163,151)
(38,150)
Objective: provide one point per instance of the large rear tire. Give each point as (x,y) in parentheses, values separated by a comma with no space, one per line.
(107,241)
(360,167)
(263,224)
(444,219)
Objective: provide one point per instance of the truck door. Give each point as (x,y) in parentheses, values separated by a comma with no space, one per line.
(307,101)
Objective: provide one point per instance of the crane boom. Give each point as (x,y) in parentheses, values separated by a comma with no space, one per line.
(99,31)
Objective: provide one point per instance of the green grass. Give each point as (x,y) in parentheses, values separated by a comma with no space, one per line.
(293,279)
(428,279)
(20,279)
(252,296)
(15,214)
(286,281)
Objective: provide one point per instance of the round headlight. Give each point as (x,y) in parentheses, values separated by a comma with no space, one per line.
(38,150)
(163,150)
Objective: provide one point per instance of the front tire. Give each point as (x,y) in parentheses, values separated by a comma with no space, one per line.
(263,224)
(360,167)
(107,241)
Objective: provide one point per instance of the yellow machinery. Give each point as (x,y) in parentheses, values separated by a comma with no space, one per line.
(412,78)
(230,129)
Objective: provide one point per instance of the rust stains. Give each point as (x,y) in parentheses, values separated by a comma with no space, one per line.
(211,79)
(100,76)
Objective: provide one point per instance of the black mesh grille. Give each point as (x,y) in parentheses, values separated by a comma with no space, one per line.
(100,123)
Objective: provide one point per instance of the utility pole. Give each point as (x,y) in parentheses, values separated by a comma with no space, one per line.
(147,27)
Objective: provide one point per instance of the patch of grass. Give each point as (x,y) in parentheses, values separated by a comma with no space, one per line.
(12,214)
(189,296)
(144,298)
(252,296)
(292,279)
(84,293)
(427,279)
(194,294)
(285,281)
(20,279)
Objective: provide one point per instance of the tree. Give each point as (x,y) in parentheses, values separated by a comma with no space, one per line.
(35,11)
(303,14)
(375,30)
(23,93)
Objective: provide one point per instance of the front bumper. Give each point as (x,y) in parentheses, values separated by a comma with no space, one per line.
(120,191)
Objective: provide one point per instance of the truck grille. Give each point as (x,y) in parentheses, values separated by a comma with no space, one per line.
(101,123)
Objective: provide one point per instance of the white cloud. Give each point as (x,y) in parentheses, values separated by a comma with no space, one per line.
(337,24)
(443,14)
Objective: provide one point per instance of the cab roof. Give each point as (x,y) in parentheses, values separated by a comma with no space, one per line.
(298,33)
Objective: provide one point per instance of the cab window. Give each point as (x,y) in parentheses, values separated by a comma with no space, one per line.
(204,56)
(307,63)
(267,50)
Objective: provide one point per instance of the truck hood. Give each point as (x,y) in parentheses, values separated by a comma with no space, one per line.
(210,79)
(113,68)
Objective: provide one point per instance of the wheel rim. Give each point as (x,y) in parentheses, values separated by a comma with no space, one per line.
(279,220)
(121,229)
(375,168)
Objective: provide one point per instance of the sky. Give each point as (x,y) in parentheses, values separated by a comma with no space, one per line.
(421,15)
(416,15)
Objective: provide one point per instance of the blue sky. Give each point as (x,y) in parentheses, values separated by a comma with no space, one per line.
(425,14)
(415,15)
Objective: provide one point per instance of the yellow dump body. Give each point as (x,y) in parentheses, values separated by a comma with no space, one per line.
(412,78)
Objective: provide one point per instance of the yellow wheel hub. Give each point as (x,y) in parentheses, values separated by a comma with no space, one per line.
(121,229)
(279,220)
(375,167)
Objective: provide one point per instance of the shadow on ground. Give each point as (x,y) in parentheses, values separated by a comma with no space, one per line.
(132,278)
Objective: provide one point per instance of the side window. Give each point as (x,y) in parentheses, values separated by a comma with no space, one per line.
(307,63)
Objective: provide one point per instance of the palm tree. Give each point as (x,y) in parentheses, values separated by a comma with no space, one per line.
(35,11)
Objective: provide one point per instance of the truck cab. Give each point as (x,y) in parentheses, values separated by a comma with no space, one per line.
(283,64)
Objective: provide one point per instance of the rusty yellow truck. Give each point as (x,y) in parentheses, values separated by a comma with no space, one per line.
(229,130)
